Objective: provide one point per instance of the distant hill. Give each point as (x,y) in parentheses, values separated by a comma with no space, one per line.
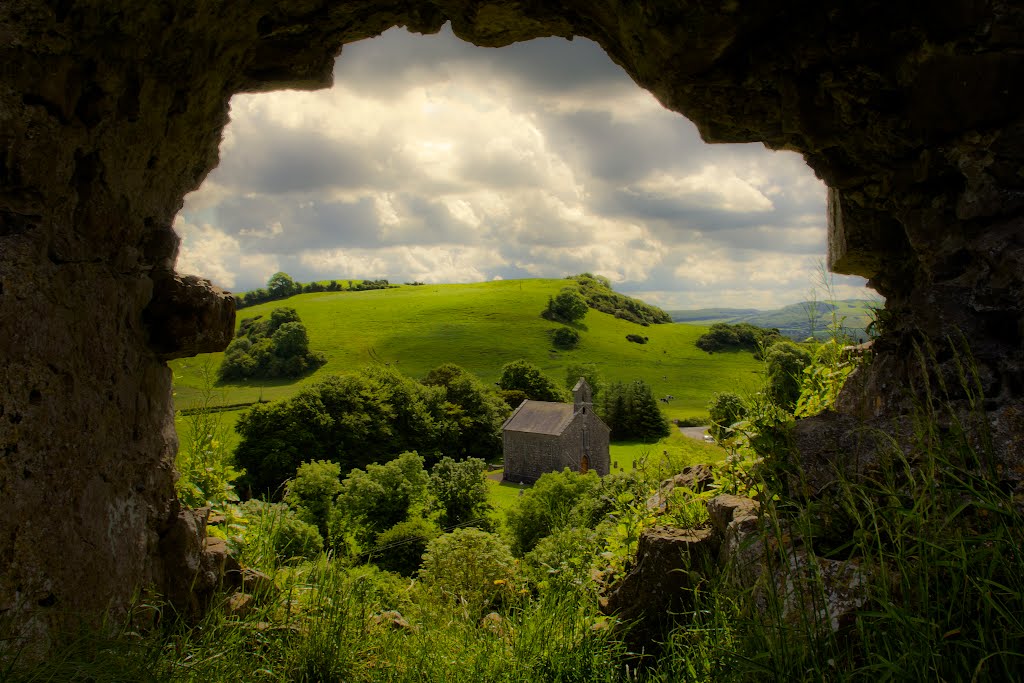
(480,327)
(794,320)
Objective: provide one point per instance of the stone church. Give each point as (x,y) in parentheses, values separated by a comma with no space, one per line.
(541,436)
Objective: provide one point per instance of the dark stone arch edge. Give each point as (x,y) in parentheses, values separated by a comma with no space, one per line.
(110,113)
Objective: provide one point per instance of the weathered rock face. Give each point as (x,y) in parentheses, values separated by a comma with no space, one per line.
(110,112)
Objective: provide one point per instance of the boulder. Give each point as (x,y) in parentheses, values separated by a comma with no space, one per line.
(670,565)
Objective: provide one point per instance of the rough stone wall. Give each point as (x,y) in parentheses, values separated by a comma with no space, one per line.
(913,113)
(571,444)
(527,456)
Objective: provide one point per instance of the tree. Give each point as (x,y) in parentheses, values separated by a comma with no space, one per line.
(276,347)
(587,371)
(400,549)
(290,339)
(557,500)
(565,338)
(381,496)
(312,493)
(474,413)
(521,375)
(281,286)
(632,412)
(568,305)
(459,490)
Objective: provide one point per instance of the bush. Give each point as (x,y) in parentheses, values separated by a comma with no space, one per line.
(739,337)
(459,490)
(567,306)
(724,410)
(400,549)
(471,566)
(557,500)
(565,338)
(599,295)
(274,533)
(563,560)
(381,496)
(278,347)
(786,362)
(521,375)
(636,339)
(312,493)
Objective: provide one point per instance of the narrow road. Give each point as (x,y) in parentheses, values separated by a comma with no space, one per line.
(694,432)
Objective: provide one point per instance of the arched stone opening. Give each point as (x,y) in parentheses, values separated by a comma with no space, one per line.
(912,115)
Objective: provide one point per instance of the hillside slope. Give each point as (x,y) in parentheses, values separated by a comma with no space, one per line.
(793,320)
(480,327)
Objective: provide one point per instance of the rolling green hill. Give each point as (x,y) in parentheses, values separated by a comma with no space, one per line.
(480,327)
(793,320)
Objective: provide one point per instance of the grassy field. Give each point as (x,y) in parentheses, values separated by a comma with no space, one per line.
(480,327)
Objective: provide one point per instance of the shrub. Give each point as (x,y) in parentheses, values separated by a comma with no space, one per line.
(400,549)
(274,533)
(278,347)
(565,338)
(459,490)
(311,494)
(381,496)
(471,566)
(786,362)
(724,410)
(557,500)
(636,339)
(563,560)
(568,306)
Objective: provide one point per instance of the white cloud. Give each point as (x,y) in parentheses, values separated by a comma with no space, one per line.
(437,161)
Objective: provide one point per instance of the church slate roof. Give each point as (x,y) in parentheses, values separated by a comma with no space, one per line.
(540,417)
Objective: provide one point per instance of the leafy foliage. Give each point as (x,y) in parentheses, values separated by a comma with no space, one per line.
(368,417)
(567,306)
(278,347)
(274,533)
(557,500)
(632,412)
(205,467)
(521,375)
(565,338)
(473,412)
(785,365)
(822,379)
(565,559)
(599,295)
(738,337)
(400,549)
(312,493)
(380,497)
(725,409)
(589,372)
(281,286)
(471,566)
(459,490)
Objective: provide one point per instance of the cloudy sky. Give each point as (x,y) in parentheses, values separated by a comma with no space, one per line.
(434,160)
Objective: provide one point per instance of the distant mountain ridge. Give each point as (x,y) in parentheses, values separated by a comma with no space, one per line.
(794,320)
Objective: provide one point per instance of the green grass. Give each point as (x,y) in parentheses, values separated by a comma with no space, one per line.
(480,327)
